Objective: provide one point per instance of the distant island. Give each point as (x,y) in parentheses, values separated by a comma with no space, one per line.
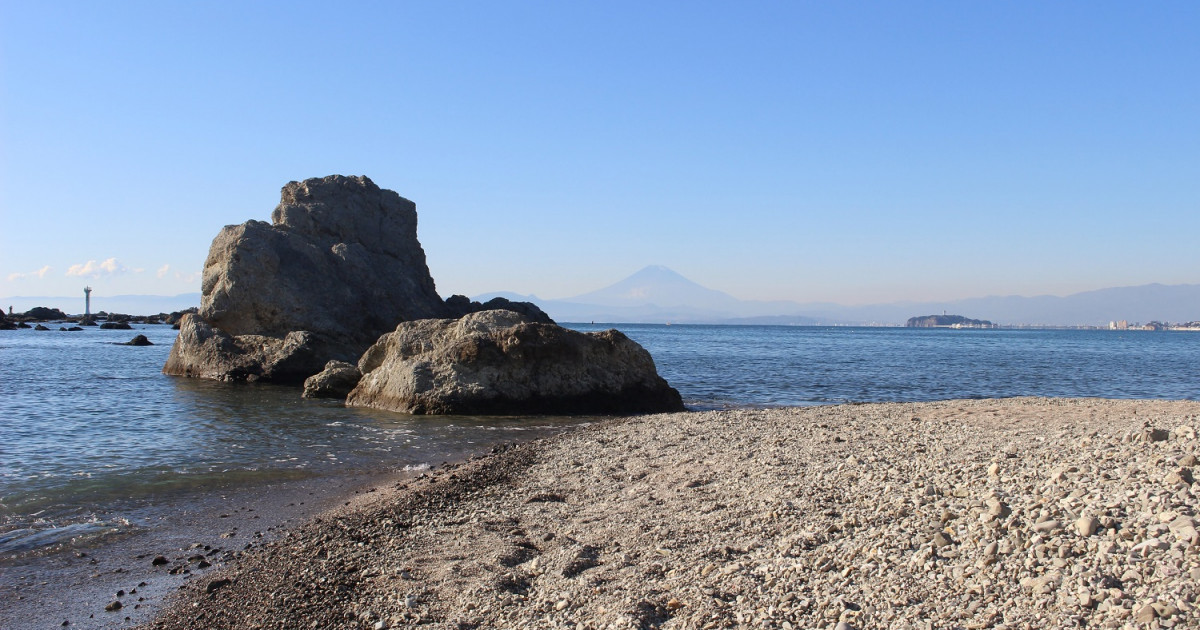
(947,321)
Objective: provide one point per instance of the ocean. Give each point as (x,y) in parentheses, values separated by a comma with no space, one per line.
(96,443)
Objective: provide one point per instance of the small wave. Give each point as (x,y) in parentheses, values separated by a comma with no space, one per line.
(48,539)
(416,467)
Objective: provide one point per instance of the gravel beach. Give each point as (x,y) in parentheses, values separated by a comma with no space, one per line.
(1014,513)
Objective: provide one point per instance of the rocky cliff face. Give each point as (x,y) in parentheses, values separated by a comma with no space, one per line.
(500,362)
(340,261)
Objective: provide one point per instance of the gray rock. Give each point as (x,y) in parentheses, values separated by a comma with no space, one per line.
(1087,525)
(335,381)
(202,351)
(340,261)
(340,258)
(499,362)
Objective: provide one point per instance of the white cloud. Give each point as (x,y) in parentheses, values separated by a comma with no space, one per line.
(40,273)
(162,271)
(95,270)
(189,278)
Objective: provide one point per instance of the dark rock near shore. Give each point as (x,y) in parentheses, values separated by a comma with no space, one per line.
(335,381)
(40,327)
(115,326)
(460,305)
(500,362)
(139,340)
(43,314)
(339,263)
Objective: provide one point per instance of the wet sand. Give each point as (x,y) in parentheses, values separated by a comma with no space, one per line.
(76,584)
(1016,513)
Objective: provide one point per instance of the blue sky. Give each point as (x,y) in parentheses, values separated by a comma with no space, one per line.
(832,151)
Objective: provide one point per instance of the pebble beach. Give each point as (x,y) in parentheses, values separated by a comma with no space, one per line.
(1011,513)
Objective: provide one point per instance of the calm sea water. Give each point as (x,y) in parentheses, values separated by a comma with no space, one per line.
(93,437)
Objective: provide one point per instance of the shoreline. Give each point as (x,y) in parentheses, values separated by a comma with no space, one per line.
(1023,512)
(204,534)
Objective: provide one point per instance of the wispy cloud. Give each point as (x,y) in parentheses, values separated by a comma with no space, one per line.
(162,271)
(93,269)
(189,278)
(40,273)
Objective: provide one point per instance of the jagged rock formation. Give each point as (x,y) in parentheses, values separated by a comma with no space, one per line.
(936,321)
(339,271)
(460,305)
(500,362)
(335,381)
(339,261)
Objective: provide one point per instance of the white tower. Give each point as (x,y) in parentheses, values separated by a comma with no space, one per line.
(87,301)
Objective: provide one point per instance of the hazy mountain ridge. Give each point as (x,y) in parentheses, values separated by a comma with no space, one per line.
(660,295)
(657,295)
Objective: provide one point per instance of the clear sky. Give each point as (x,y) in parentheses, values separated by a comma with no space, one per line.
(812,151)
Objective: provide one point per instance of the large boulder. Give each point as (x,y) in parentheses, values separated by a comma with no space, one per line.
(339,258)
(335,381)
(500,362)
(339,261)
(203,351)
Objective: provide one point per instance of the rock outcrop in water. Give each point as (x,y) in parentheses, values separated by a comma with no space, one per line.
(339,271)
(335,381)
(44,314)
(204,351)
(947,321)
(501,362)
(339,263)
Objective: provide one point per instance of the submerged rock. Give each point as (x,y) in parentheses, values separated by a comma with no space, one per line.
(500,362)
(340,263)
(139,340)
(335,381)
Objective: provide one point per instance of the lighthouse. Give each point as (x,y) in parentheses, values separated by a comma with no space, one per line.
(87,301)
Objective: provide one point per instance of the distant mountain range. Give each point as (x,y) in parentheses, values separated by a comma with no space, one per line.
(658,295)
